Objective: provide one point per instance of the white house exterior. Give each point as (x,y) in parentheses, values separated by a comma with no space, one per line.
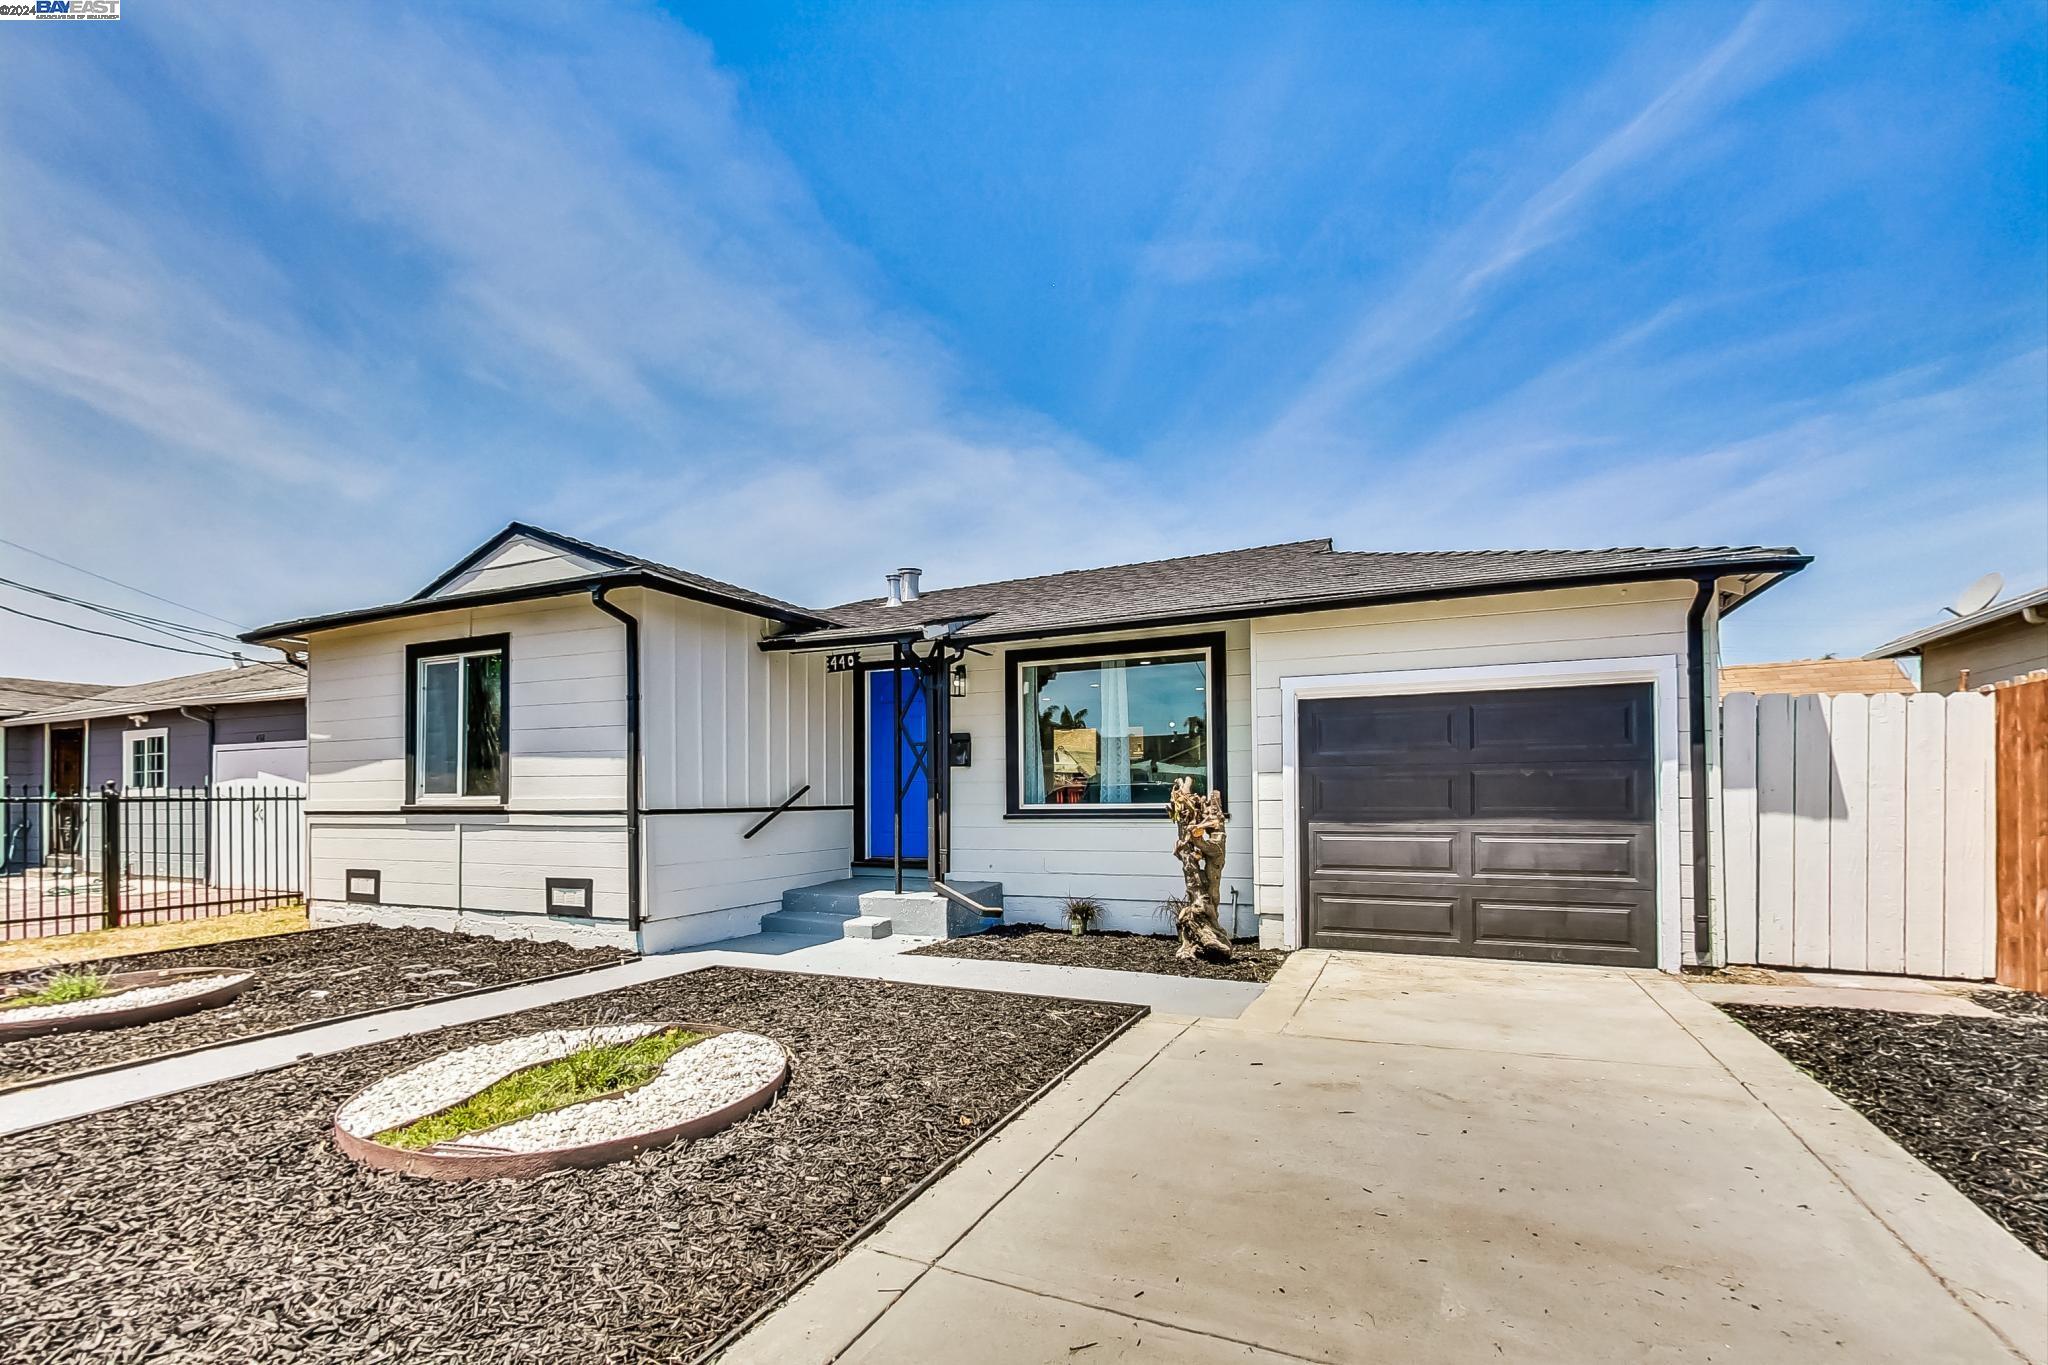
(1478,753)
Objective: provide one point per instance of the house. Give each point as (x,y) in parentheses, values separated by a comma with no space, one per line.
(172,733)
(1808,677)
(1999,642)
(19,696)
(1497,753)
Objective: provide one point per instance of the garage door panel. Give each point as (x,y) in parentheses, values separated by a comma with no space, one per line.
(1560,722)
(1555,923)
(1559,793)
(1389,914)
(1499,824)
(1534,854)
(1389,794)
(1335,852)
(1416,728)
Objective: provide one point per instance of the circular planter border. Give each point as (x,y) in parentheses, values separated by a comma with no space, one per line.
(457,1163)
(149,1013)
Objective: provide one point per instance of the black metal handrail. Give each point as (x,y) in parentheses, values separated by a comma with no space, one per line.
(764,821)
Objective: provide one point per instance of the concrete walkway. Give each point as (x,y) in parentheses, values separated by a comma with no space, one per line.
(884,959)
(1419,1159)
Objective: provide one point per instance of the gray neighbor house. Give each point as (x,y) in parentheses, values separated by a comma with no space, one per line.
(172,733)
(1501,754)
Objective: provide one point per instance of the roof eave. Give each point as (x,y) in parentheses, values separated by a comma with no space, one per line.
(298,630)
(141,706)
(1778,569)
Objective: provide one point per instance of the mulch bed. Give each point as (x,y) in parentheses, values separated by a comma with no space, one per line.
(300,979)
(1967,1096)
(2018,1004)
(223,1225)
(1111,950)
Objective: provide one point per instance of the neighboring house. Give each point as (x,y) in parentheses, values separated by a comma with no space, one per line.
(2004,640)
(1807,677)
(19,696)
(168,734)
(1490,753)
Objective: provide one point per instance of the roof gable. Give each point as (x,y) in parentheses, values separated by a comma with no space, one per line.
(518,556)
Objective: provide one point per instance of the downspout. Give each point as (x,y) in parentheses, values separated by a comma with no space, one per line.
(633,758)
(1696,707)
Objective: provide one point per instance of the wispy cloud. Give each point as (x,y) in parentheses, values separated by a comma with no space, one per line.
(1427,306)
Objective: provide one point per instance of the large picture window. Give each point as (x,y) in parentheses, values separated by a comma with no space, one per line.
(1110,731)
(458,704)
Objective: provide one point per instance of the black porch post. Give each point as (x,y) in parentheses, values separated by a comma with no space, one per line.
(896,760)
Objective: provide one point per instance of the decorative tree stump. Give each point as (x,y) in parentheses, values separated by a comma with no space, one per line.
(1199,846)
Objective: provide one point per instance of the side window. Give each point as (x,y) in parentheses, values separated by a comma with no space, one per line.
(146,759)
(459,723)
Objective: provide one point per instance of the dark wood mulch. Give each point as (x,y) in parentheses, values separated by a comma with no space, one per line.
(2018,1004)
(223,1225)
(1112,950)
(300,979)
(1967,1096)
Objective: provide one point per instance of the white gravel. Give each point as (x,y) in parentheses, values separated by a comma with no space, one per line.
(701,1078)
(435,1084)
(124,1000)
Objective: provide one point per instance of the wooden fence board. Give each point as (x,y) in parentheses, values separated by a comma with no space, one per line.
(1968,918)
(1849,833)
(1884,936)
(2021,741)
(1926,843)
(1738,825)
(1774,880)
(1812,802)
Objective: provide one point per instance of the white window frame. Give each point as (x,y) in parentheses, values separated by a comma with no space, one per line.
(420,795)
(131,740)
(1210,659)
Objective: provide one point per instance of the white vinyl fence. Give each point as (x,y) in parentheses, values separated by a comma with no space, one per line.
(1856,832)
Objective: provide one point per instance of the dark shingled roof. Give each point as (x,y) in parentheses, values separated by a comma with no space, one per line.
(226,686)
(1297,576)
(19,695)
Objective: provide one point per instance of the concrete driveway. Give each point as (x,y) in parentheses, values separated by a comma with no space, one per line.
(1414,1159)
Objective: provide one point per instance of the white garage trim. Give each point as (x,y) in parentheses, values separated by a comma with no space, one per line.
(1661,671)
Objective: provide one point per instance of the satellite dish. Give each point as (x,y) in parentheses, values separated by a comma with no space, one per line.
(1978,595)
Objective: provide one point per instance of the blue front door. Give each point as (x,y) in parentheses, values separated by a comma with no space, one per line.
(893,765)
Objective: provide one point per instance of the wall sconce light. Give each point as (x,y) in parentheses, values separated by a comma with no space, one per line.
(959,680)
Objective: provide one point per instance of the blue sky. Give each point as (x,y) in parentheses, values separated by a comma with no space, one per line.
(302,301)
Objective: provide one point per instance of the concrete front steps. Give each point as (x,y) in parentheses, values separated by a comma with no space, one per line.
(836,909)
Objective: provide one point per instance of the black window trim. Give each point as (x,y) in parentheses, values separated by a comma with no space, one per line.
(433,649)
(1014,661)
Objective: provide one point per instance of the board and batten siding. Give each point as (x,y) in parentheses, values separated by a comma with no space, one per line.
(1857,832)
(1127,864)
(1550,626)
(565,762)
(730,730)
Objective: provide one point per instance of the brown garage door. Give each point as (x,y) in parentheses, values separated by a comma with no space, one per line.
(1515,824)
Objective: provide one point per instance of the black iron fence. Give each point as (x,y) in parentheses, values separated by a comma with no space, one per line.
(72,862)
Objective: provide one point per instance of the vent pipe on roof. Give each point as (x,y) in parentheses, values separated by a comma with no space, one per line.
(908,579)
(895,598)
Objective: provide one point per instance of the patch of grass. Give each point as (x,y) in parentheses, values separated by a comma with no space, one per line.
(63,988)
(129,940)
(586,1075)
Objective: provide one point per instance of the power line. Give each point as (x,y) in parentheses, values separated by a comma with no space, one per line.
(176,629)
(15,544)
(146,644)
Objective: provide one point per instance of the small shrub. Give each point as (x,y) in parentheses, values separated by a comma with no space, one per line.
(63,988)
(1083,913)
